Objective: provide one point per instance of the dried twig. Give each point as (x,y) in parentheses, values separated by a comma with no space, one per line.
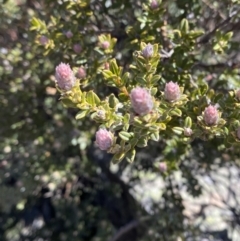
(128,227)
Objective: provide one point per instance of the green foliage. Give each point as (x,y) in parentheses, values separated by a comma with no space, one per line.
(51,170)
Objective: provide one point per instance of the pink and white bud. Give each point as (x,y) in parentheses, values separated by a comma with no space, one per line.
(211,115)
(162,166)
(172,91)
(154,4)
(101,114)
(69,34)
(43,40)
(147,52)
(106,65)
(81,73)
(141,101)
(188,132)
(238,94)
(65,78)
(105,45)
(104,139)
(77,48)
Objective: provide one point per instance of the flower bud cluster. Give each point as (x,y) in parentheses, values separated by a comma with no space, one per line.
(69,34)
(141,101)
(43,40)
(188,132)
(104,139)
(105,45)
(172,91)
(147,52)
(211,115)
(81,73)
(154,4)
(77,48)
(65,78)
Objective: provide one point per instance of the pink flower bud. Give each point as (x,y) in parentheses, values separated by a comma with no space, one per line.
(69,34)
(43,40)
(77,48)
(147,52)
(154,4)
(101,114)
(65,77)
(172,91)
(162,166)
(188,131)
(81,73)
(105,45)
(104,139)
(106,65)
(238,133)
(211,115)
(141,101)
(238,94)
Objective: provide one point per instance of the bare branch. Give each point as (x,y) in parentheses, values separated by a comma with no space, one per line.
(208,35)
(128,227)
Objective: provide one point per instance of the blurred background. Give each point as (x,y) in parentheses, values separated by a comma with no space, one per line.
(54,183)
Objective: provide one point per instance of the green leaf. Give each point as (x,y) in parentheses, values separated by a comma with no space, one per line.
(68,103)
(125,135)
(92,98)
(176,112)
(126,120)
(81,114)
(184,25)
(142,142)
(188,122)
(114,67)
(154,91)
(133,141)
(117,158)
(178,130)
(195,34)
(126,77)
(155,136)
(161,126)
(113,101)
(131,155)
(108,74)
(155,79)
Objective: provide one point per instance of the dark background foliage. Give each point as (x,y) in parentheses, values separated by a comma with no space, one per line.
(54,183)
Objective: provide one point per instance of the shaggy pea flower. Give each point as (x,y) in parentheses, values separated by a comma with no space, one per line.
(147,52)
(172,91)
(104,139)
(105,45)
(188,131)
(162,166)
(65,78)
(211,115)
(81,73)
(154,4)
(43,40)
(69,34)
(106,65)
(141,101)
(77,48)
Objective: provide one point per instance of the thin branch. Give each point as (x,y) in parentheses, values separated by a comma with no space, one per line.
(214,8)
(128,227)
(208,35)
